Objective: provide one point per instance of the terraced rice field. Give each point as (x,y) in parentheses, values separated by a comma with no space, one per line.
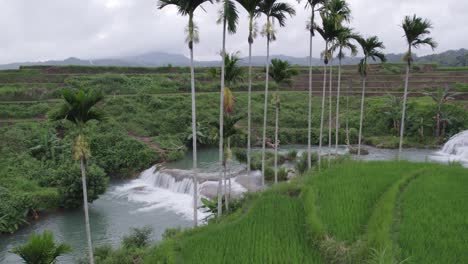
(374,212)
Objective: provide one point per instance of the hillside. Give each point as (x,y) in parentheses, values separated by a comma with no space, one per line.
(158,59)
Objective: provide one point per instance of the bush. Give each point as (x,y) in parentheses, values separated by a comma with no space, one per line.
(291,155)
(138,238)
(282,174)
(240,155)
(269,173)
(70,187)
(302,163)
(41,249)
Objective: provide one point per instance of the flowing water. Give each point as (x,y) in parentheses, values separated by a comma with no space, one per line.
(162,198)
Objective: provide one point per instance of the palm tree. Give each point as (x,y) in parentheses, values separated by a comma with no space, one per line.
(41,249)
(440,97)
(343,42)
(340,10)
(282,73)
(371,49)
(79,108)
(416,31)
(329,31)
(252,8)
(273,11)
(233,74)
(187,8)
(315,5)
(229,17)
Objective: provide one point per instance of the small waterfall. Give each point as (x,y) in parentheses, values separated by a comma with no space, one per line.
(155,178)
(457,147)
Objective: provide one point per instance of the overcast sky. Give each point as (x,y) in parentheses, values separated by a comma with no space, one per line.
(34,30)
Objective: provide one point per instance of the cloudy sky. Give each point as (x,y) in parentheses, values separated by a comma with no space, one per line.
(56,29)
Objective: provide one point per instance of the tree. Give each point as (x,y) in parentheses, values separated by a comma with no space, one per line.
(329,31)
(233,74)
(229,17)
(282,73)
(315,6)
(416,31)
(252,8)
(392,109)
(440,98)
(340,11)
(343,42)
(41,249)
(371,49)
(273,11)
(187,8)
(79,108)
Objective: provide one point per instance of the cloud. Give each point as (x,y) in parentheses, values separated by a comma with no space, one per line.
(57,29)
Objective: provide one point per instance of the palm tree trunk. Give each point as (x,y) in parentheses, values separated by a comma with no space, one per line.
(265,107)
(194,130)
(330,95)
(362,114)
(249,103)
(227,192)
(86,212)
(347,116)
(276,140)
(337,124)
(405,96)
(221,120)
(323,110)
(309,116)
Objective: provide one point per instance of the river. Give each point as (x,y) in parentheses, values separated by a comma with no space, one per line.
(139,203)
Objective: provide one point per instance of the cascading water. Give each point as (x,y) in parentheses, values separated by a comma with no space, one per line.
(456,149)
(156,189)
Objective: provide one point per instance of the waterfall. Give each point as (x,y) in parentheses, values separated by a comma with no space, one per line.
(457,147)
(155,178)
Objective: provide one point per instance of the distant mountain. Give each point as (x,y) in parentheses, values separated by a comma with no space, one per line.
(157,59)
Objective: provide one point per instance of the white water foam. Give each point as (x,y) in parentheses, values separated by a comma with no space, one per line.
(158,190)
(456,149)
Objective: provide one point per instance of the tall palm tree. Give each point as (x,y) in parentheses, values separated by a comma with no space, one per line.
(273,11)
(282,73)
(79,108)
(315,6)
(340,10)
(329,31)
(229,17)
(252,8)
(416,31)
(233,74)
(343,42)
(371,49)
(187,8)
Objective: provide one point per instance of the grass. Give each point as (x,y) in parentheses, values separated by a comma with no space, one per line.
(346,195)
(434,217)
(272,231)
(354,212)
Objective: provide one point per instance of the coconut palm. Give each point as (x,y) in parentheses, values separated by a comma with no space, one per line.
(228,17)
(251,6)
(315,6)
(416,31)
(41,249)
(275,12)
(79,108)
(371,48)
(187,8)
(282,73)
(343,42)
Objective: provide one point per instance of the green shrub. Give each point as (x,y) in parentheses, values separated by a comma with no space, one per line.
(138,238)
(41,249)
